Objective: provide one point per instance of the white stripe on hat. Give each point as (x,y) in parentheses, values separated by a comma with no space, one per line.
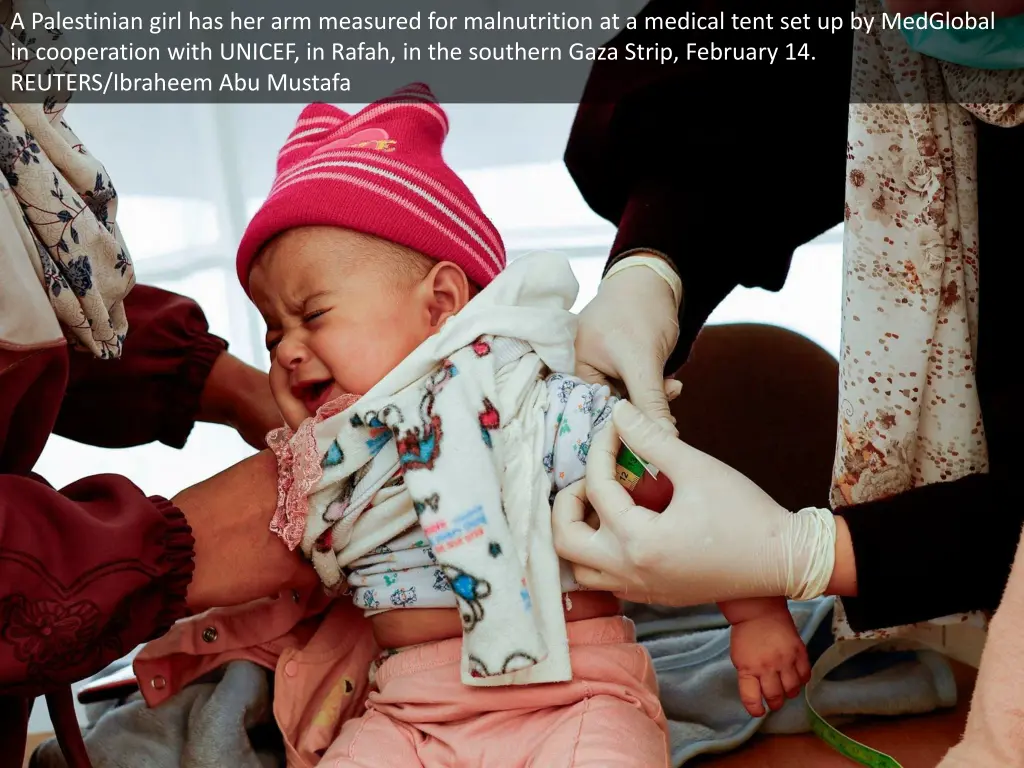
(308,136)
(390,162)
(296,135)
(488,269)
(294,142)
(393,163)
(302,122)
(428,106)
(293,176)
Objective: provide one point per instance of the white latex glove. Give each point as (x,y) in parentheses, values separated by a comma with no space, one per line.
(721,538)
(626,335)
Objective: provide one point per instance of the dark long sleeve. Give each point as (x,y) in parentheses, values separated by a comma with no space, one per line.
(154,387)
(86,573)
(933,551)
(948,547)
(724,168)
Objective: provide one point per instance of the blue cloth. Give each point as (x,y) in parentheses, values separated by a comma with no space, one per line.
(999,48)
(690,648)
(226,720)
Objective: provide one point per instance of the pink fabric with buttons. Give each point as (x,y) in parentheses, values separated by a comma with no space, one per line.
(320,651)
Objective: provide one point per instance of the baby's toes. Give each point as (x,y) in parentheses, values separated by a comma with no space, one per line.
(750,694)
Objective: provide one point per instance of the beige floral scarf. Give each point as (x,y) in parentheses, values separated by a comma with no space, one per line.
(909,411)
(56,223)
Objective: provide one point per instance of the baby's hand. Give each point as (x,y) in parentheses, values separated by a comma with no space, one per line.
(770,658)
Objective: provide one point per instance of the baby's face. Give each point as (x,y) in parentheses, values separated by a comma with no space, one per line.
(338,319)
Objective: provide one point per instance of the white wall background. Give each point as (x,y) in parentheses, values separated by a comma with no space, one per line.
(188,176)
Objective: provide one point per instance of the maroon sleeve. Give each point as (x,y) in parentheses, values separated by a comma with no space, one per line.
(87,574)
(932,551)
(718,167)
(152,392)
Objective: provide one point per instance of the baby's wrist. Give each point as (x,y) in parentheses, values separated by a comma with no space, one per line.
(746,609)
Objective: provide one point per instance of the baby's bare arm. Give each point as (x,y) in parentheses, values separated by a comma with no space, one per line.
(736,611)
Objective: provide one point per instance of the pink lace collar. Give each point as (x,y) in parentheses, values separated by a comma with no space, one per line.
(299,469)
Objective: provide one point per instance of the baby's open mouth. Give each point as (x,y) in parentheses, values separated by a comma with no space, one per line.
(314,394)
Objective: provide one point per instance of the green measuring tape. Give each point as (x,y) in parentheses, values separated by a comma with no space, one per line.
(844,745)
(629,467)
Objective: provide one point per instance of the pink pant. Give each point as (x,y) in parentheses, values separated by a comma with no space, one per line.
(422,715)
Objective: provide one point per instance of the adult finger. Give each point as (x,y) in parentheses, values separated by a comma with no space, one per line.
(589,373)
(645,388)
(595,579)
(635,596)
(612,503)
(574,538)
(650,442)
(673,389)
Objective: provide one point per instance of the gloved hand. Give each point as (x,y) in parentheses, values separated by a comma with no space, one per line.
(626,335)
(721,538)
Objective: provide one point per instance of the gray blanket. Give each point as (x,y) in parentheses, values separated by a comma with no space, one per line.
(225,721)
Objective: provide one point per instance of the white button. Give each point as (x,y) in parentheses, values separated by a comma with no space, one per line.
(158,682)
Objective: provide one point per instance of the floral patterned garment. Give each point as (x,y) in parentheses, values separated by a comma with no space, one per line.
(67,203)
(909,412)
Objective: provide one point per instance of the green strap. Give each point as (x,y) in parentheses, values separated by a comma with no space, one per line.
(846,746)
(629,461)
(838,653)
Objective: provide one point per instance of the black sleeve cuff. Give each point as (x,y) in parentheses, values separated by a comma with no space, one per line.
(929,552)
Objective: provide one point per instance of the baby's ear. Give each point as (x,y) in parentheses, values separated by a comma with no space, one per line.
(449,290)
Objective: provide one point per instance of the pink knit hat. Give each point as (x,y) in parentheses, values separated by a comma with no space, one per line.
(379,172)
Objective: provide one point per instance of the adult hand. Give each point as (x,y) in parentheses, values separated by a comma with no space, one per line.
(626,334)
(238,396)
(721,538)
(237,558)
